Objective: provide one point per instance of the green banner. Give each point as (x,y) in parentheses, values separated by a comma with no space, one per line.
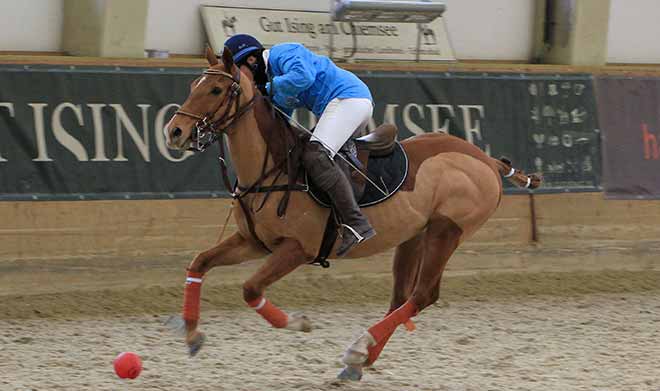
(96,132)
(543,123)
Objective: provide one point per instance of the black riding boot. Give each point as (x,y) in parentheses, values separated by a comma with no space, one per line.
(329,177)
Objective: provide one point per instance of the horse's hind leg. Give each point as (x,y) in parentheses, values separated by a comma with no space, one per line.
(285,258)
(405,267)
(441,240)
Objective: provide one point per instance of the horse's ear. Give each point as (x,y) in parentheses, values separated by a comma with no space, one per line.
(247,73)
(227,59)
(210,56)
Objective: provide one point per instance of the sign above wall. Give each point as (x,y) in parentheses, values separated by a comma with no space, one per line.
(350,41)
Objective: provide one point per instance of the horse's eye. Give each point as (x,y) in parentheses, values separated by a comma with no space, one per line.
(216,91)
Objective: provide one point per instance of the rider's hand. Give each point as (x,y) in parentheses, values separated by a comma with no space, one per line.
(286,102)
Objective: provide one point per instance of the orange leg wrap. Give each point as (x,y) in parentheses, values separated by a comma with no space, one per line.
(275,316)
(383,330)
(191,295)
(410,325)
(374,351)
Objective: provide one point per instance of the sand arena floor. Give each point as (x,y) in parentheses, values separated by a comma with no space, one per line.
(578,330)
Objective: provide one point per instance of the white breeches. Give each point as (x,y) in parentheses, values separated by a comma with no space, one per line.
(342,119)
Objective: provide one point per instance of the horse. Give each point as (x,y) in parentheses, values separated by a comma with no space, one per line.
(451,190)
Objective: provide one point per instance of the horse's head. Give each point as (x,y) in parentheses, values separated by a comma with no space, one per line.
(218,98)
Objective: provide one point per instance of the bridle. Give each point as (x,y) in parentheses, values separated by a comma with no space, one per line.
(207,130)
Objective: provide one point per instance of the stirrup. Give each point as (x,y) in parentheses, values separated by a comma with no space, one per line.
(355,233)
(370,233)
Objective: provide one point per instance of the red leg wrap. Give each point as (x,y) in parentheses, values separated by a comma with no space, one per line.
(410,325)
(386,327)
(191,295)
(374,351)
(275,316)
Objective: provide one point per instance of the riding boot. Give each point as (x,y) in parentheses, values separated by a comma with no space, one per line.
(327,175)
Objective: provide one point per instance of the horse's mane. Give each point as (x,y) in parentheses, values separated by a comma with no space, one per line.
(284,144)
(279,136)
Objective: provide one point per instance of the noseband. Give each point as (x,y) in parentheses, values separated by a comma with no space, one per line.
(207,130)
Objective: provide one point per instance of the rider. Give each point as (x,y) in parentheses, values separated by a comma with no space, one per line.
(341,101)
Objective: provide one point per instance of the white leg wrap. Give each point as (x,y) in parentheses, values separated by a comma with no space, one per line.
(299,322)
(529,183)
(261,304)
(510,174)
(357,353)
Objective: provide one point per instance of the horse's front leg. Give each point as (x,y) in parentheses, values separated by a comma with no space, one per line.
(234,250)
(286,257)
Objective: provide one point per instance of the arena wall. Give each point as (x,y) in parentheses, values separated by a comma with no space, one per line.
(633,32)
(31,25)
(582,224)
(501,30)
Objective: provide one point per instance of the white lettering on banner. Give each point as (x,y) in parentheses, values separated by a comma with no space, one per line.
(374,41)
(413,127)
(142,143)
(40,131)
(159,135)
(61,135)
(416,118)
(389,116)
(470,130)
(99,137)
(10,107)
(435,118)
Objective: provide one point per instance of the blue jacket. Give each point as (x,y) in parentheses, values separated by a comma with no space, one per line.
(301,78)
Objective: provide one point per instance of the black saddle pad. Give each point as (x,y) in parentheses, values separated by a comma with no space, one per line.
(388,172)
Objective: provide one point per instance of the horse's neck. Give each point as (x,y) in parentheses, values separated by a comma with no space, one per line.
(248,150)
(260,132)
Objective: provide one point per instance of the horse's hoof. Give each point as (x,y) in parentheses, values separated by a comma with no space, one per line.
(195,345)
(176,324)
(299,322)
(352,373)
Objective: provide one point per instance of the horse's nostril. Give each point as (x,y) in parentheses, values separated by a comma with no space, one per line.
(177,133)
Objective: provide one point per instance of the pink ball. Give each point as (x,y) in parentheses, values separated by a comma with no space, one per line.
(128,365)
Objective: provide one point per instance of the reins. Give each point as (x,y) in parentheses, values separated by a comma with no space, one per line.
(208,131)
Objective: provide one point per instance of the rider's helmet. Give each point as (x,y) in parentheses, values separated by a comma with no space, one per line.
(243,46)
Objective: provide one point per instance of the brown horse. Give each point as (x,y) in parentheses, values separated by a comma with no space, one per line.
(451,190)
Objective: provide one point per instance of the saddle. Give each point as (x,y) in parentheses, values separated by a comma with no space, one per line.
(377,154)
(382,159)
(380,142)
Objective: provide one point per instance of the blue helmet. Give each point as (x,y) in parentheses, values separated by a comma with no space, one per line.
(241,45)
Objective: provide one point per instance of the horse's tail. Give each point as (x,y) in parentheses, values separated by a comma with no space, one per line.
(517,177)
